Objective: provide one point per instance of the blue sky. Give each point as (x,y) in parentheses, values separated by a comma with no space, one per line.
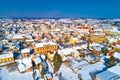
(60,8)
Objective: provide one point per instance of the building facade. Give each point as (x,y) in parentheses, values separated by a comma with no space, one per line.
(44,48)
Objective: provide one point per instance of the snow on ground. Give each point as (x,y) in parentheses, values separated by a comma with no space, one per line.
(78,63)
(67,73)
(5,75)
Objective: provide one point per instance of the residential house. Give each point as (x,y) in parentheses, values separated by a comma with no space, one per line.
(111,53)
(25,53)
(73,40)
(4,42)
(37,61)
(25,65)
(83,29)
(4,58)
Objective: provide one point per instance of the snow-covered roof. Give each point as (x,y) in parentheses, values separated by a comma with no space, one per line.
(111,40)
(118,46)
(115,69)
(44,63)
(37,75)
(25,50)
(51,43)
(84,46)
(98,34)
(21,67)
(17,36)
(97,48)
(67,51)
(96,44)
(106,75)
(114,29)
(6,55)
(75,38)
(48,75)
(86,70)
(4,40)
(77,47)
(116,55)
(98,29)
(30,40)
(38,45)
(76,64)
(37,60)
(89,58)
(24,64)
(57,29)
(43,57)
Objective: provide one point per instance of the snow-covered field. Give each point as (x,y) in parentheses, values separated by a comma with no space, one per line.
(66,72)
(5,75)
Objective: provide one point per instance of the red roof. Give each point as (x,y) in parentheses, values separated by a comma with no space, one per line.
(111,52)
(95,51)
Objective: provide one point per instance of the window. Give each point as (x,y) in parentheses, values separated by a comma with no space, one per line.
(38,49)
(7,59)
(10,59)
(3,60)
(28,54)
(0,61)
(53,47)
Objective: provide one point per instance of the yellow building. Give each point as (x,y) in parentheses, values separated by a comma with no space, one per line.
(50,55)
(44,48)
(6,58)
(118,42)
(76,54)
(73,40)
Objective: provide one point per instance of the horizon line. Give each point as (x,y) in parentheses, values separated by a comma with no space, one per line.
(28,17)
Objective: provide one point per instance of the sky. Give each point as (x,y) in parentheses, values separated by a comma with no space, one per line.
(60,8)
